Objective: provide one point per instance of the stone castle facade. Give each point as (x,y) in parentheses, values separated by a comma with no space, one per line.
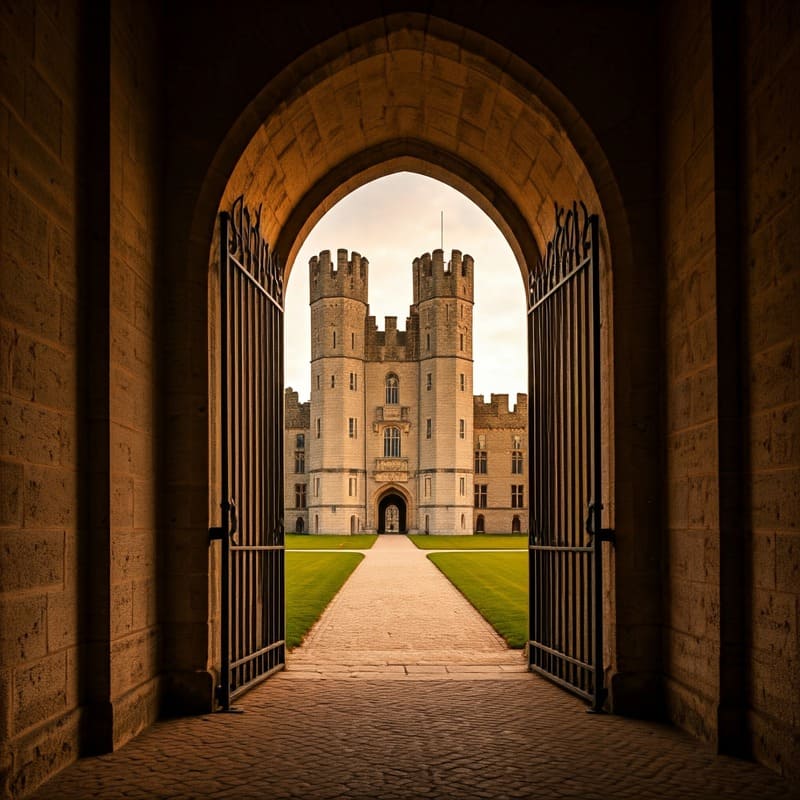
(392,439)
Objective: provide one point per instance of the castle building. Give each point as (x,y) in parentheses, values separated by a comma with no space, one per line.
(392,439)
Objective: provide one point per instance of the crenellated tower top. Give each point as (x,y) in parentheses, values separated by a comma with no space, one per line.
(345,278)
(434,278)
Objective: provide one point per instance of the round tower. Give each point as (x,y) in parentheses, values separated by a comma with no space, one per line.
(338,297)
(443,296)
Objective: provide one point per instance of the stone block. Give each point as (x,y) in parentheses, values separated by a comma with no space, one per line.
(31,559)
(30,433)
(144,505)
(121,503)
(63,620)
(703,502)
(23,630)
(25,234)
(121,609)
(775,438)
(144,610)
(774,623)
(40,691)
(787,562)
(42,109)
(61,256)
(11,490)
(133,556)
(50,497)
(134,660)
(54,56)
(42,374)
(774,377)
(776,500)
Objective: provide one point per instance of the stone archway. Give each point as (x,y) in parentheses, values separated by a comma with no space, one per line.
(431,97)
(392,513)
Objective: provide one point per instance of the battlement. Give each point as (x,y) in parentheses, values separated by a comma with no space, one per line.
(391,343)
(348,277)
(434,278)
(496,413)
(297,415)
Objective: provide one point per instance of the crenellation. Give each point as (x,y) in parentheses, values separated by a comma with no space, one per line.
(348,278)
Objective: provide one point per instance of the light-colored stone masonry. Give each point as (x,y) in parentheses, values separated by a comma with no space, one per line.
(347,471)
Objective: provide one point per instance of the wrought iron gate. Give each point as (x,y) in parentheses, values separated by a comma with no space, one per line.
(565,553)
(251,322)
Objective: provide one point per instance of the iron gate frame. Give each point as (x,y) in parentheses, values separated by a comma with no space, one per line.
(565,571)
(253,625)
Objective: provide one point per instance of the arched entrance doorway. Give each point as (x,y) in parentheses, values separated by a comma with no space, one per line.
(540,151)
(392,513)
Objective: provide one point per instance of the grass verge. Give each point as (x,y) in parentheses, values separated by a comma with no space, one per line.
(358,541)
(312,579)
(497,586)
(478,541)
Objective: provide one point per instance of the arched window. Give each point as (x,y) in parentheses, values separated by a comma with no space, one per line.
(515,524)
(480,524)
(300,526)
(463,522)
(391,443)
(392,390)
(353,524)
(427,523)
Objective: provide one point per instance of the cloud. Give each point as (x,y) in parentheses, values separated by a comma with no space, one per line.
(391,221)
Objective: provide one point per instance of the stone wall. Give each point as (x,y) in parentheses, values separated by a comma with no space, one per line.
(40,264)
(771,249)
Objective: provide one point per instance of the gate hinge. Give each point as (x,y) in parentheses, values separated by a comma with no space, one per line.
(215,534)
(607,535)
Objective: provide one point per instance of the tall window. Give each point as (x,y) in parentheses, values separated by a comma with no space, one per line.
(516,463)
(352,428)
(353,341)
(428,428)
(480,462)
(353,381)
(392,390)
(427,486)
(319,427)
(334,338)
(515,524)
(316,487)
(462,429)
(460,341)
(462,381)
(516,442)
(516,496)
(428,381)
(480,524)
(427,341)
(391,443)
(462,486)
(480,495)
(299,461)
(333,381)
(300,441)
(352,488)
(299,495)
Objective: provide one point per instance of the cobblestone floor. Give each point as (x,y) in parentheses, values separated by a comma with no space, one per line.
(384,739)
(418,700)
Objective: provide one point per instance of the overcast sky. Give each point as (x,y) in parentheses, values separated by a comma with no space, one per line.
(392,221)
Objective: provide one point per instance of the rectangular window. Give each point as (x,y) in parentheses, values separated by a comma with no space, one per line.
(299,461)
(352,428)
(319,427)
(300,495)
(480,462)
(318,382)
(516,442)
(462,429)
(316,487)
(428,428)
(462,486)
(300,440)
(333,381)
(480,495)
(516,463)
(427,341)
(353,341)
(334,339)
(427,486)
(428,381)
(353,381)
(460,341)
(462,381)
(516,496)
(353,487)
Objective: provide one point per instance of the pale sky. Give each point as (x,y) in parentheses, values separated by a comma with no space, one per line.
(392,221)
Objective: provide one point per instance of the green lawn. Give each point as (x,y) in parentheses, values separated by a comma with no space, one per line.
(312,579)
(478,541)
(358,541)
(496,584)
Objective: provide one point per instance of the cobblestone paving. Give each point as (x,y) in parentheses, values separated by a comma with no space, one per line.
(441,710)
(340,740)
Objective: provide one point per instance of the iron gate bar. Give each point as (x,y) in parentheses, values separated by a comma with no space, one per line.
(565,572)
(253,563)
